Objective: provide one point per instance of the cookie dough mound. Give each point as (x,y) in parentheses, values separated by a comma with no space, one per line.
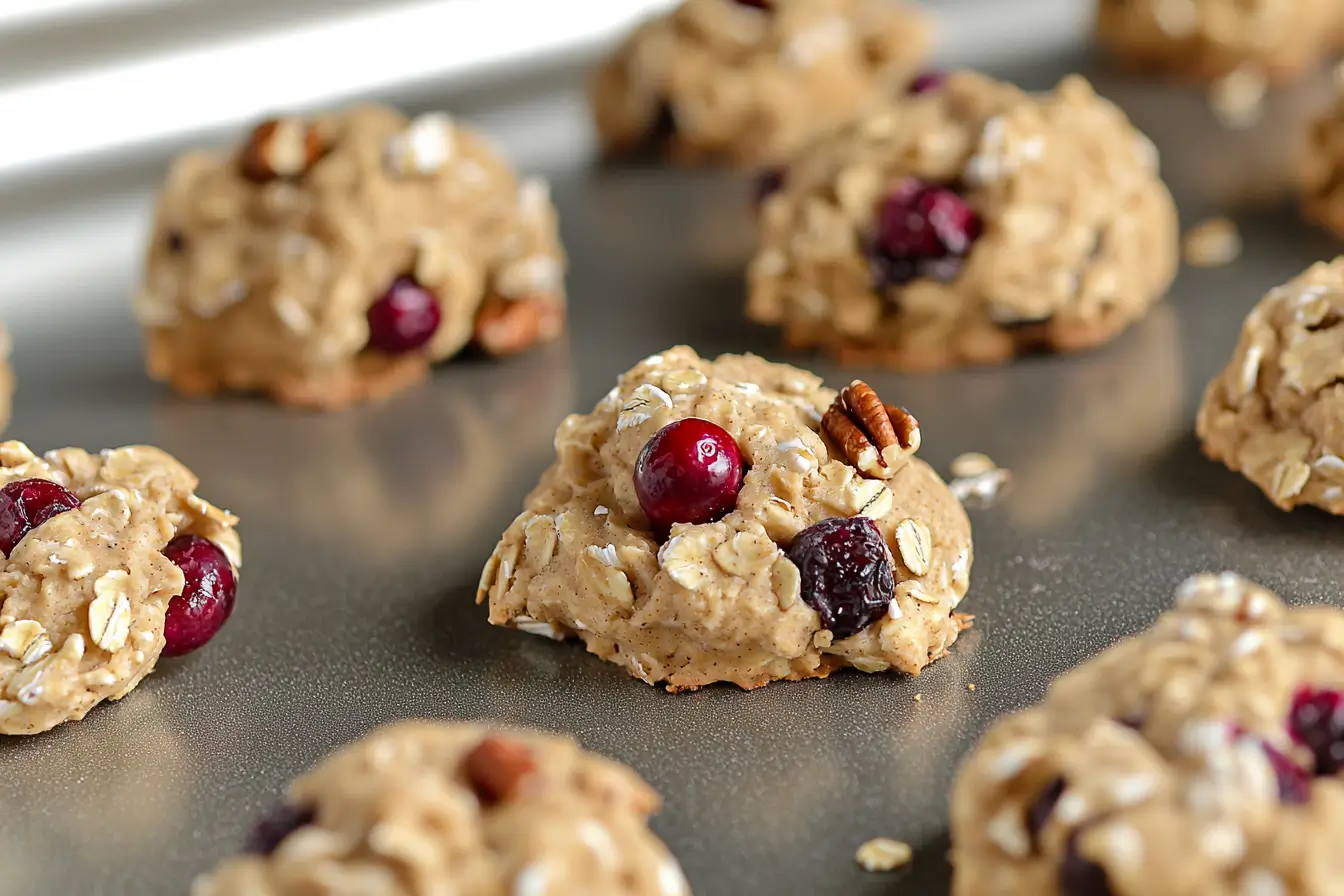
(721,601)
(1276,413)
(6,378)
(749,81)
(1210,38)
(83,594)
(334,259)
(424,808)
(1201,756)
(967,224)
(1321,172)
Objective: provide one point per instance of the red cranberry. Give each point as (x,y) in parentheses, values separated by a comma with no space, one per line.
(689,472)
(1316,720)
(927,82)
(766,5)
(200,611)
(1079,876)
(28,503)
(1044,806)
(923,230)
(404,319)
(272,830)
(846,573)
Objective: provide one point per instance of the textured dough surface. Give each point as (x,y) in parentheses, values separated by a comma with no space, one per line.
(266,286)
(720,601)
(1276,412)
(1162,746)
(1080,235)
(1209,38)
(60,650)
(741,85)
(395,814)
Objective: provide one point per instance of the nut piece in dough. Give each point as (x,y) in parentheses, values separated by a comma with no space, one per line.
(1207,39)
(1200,756)
(967,224)
(402,813)
(83,594)
(1276,412)
(723,601)
(743,83)
(334,259)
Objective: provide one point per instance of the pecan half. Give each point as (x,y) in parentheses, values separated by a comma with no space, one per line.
(508,326)
(280,147)
(876,438)
(498,768)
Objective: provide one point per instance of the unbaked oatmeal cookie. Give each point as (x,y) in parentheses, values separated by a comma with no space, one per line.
(1279,39)
(750,81)
(110,561)
(429,809)
(1321,169)
(1202,756)
(1276,412)
(964,224)
(733,520)
(334,259)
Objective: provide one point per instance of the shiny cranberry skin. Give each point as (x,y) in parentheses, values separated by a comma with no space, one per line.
(28,503)
(200,611)
(272,830)
(404,319)
(1079,876)
(1316,720)
(689,472)
(846,573)
(927,82)
(1044,806)
(923,230)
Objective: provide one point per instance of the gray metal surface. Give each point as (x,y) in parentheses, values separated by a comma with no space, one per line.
(364,533)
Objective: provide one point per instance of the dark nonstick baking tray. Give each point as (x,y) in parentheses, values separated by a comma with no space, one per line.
(364,532)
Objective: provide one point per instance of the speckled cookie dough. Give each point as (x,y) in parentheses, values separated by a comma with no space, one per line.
(429,809)
(966,224)
(333,259)
(1199,757)
(1209,38)
(1321,167)
(1276,412)
(836,547)
(86,585)
(749,81)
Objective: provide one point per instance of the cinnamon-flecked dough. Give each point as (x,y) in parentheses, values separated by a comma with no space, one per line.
(1201,756)
(430,809)
(83,594)
(721,601)
(1203,39)
(265,261)
(1066,233)
(1276,412)
(744,83)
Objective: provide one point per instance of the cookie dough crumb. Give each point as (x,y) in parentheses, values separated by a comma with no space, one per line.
(972,463)
(919,698)
(983,489)
(884,854)
(1238,98)
(970,687)
(1212,243)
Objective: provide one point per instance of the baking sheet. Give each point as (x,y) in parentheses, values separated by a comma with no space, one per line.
(364,532)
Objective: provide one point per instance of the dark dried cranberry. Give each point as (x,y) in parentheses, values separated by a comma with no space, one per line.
(200,611)
(927,82)
(923,230)
(766,5)
(1079,876)
(404,318)
(1316,720)
(689,472)
(1040,811)
(28,503)
(846,573)
(1294,781)
(271,831)
(768,183)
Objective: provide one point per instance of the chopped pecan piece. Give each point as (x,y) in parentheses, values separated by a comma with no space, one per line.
(874,437)
(508,326)
(498,768)
(280,147)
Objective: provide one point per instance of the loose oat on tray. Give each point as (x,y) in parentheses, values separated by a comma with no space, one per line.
(1276,412)
(749,81)
(733,520)
(1199,757)
(334,259)
(430,809)
(965,224)
(1279,39)
(110,561)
